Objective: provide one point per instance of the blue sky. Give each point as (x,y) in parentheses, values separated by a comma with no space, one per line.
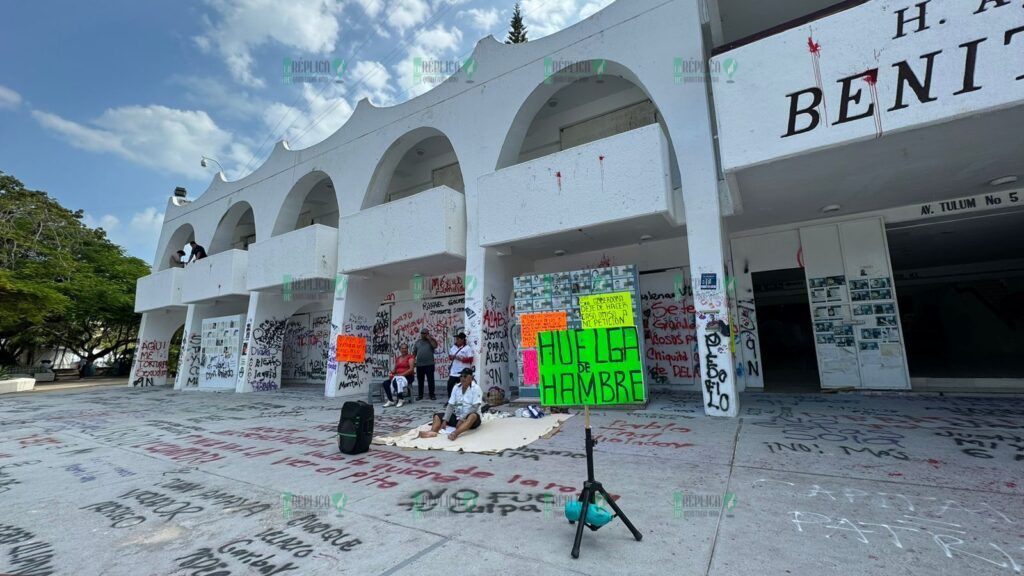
(108,105)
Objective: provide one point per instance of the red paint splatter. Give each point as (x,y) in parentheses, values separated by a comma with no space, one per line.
(1011,485)
(558,176)
(871,76)
(935,463)
(813,46)
(601,158)
(895,474)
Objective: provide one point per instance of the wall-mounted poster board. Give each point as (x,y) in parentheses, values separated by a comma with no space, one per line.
(221,338)
(854,310)
(556,302)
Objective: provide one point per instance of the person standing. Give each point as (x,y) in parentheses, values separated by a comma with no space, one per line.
(198,252)
(423,349)
(461,355)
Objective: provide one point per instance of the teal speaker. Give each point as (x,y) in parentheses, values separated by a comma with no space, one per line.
(596,515)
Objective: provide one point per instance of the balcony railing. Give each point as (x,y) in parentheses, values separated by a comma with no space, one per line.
(620,179)
(310,253)
(428,226)
(159,290)
(222,274)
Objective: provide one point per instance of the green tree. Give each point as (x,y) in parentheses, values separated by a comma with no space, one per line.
(517,30)
(62,284)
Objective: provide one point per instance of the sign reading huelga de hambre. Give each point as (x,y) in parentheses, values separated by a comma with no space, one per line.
(876,68)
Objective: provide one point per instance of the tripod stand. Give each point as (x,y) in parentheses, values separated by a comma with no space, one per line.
(588,497)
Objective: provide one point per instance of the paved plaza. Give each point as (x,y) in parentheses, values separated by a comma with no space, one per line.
(122,481)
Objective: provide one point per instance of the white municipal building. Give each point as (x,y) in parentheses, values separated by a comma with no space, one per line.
(810,196)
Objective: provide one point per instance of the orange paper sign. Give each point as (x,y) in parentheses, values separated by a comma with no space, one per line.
(541,322)
(351,349)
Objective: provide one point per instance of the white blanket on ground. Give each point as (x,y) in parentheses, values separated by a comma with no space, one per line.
(494,435)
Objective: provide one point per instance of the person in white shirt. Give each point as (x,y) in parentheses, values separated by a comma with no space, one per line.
(461,355)
(463,410)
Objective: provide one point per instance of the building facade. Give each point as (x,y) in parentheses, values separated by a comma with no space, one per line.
(791,202)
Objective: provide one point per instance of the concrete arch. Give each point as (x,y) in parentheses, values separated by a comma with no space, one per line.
(232,228)
(399,152)
(592,70)
(181,236)
(314,191)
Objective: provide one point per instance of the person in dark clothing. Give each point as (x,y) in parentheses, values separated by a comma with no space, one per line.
(423,349)
(198,252)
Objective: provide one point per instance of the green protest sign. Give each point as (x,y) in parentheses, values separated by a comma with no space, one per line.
(594,367)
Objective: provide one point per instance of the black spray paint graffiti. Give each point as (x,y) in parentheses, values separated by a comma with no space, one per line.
(987,445)
(469,501)
(188,367)
(352,374)
(715,376)
(496,344)
(264,363)
(748,340)
(27,556)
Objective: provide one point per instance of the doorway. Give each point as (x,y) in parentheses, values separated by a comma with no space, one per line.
(960,285)
(785,332)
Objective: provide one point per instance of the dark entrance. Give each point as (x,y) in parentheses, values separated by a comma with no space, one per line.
(960,285)
(788,359)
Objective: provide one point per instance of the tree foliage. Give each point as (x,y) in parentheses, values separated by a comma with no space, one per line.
(517,30)
(62,284)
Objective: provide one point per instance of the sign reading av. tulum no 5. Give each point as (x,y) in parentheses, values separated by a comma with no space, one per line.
(876,68)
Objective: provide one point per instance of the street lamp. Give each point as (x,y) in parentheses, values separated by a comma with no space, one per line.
(204,164)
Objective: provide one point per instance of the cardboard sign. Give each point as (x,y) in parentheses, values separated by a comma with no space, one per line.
(594,367)
(531,369)
(351,349)
(607,310)
(531,324)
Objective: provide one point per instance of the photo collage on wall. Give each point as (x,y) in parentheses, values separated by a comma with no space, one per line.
(220,338)
(560,292)
(831,312)
(874,304)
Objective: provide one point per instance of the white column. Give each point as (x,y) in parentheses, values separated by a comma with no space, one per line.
(356,300)
(695,152)
(263,342)
(190,351)
(154,343)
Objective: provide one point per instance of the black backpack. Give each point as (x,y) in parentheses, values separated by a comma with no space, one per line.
(355,428)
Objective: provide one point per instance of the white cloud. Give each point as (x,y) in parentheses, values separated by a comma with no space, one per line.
(146,221)
(592,7)
(328,110)
(167,139)
(9,98)
(481,19)
(371,79)
(406,14)
(310,26)
(431,44)
(215,94)
(543,17)
(108,222)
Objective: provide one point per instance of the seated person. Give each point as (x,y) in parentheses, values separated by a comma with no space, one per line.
(405,366)
(463,409)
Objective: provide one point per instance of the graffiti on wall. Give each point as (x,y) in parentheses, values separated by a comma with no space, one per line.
(264,358)
(352,374)
(306,345)
(749,361)
(670,335)
(151,362)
